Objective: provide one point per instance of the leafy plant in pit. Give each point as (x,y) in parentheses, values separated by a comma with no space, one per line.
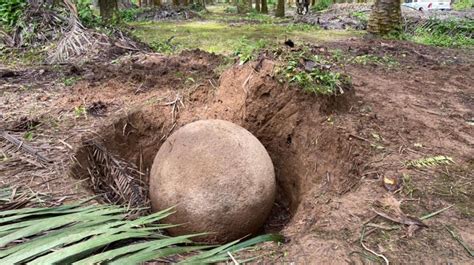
(322,5)
(98,234)
(11,11)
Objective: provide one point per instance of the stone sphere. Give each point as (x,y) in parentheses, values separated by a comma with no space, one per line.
(219,177)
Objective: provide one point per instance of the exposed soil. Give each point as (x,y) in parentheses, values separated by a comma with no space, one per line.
(330,154)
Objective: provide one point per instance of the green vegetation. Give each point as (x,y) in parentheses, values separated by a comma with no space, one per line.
(11,11)
(314,74)
(463,4)
(86,14)
(101,233)
(224,38)
(445,33)
(322,5)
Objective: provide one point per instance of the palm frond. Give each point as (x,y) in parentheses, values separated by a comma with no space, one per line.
(98,234)
(430,161)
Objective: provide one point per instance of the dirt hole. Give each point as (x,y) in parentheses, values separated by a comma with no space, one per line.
(306,152)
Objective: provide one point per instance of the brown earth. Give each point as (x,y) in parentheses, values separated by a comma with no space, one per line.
(330,154)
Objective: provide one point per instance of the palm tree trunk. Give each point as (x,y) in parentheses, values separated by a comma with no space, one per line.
(264,7)
(385,17)
(280,10)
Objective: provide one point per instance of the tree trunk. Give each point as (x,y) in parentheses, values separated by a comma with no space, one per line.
(157,2)
(257,5)
(107,9)
(385,17)
(264,7)
(280,10)
(176,2)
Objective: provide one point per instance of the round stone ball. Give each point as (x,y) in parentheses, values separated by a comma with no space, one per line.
(218,176)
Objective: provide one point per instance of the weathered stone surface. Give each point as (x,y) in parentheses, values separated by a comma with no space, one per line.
(219,176)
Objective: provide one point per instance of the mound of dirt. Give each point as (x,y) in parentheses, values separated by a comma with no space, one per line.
(218,176)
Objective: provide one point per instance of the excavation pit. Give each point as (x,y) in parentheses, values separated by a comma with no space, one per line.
(304,148)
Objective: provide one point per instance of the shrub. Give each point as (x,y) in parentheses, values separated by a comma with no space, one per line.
(11,11)
(322,5)
(463,4)
(86,14)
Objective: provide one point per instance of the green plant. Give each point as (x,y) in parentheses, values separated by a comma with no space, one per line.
(430,161)
(361,16)
(130,14)
(86,14)
(101,234)
(445,33)
(80,111)
(70,81)
(230,10)
(246,49)
(11,11)
(28,136)
(463,4)
(315,77)
(322,5)
(163,46)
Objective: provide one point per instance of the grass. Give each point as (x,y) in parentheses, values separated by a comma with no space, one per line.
(224,38)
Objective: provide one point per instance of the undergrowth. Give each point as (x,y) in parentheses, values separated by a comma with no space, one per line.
(315,74)
(322,5)
(445,33)
(10,12)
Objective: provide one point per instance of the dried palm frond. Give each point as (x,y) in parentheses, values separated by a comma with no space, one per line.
(76,41)
(10,144)
(75,234)
(119,181)
(15,198)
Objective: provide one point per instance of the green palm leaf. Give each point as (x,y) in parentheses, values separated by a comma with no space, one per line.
(81,235)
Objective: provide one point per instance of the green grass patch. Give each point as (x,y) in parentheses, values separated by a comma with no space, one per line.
(222,38)
(445,33)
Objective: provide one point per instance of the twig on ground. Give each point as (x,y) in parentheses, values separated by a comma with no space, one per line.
(459,239)
(435,213)
(370,250)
